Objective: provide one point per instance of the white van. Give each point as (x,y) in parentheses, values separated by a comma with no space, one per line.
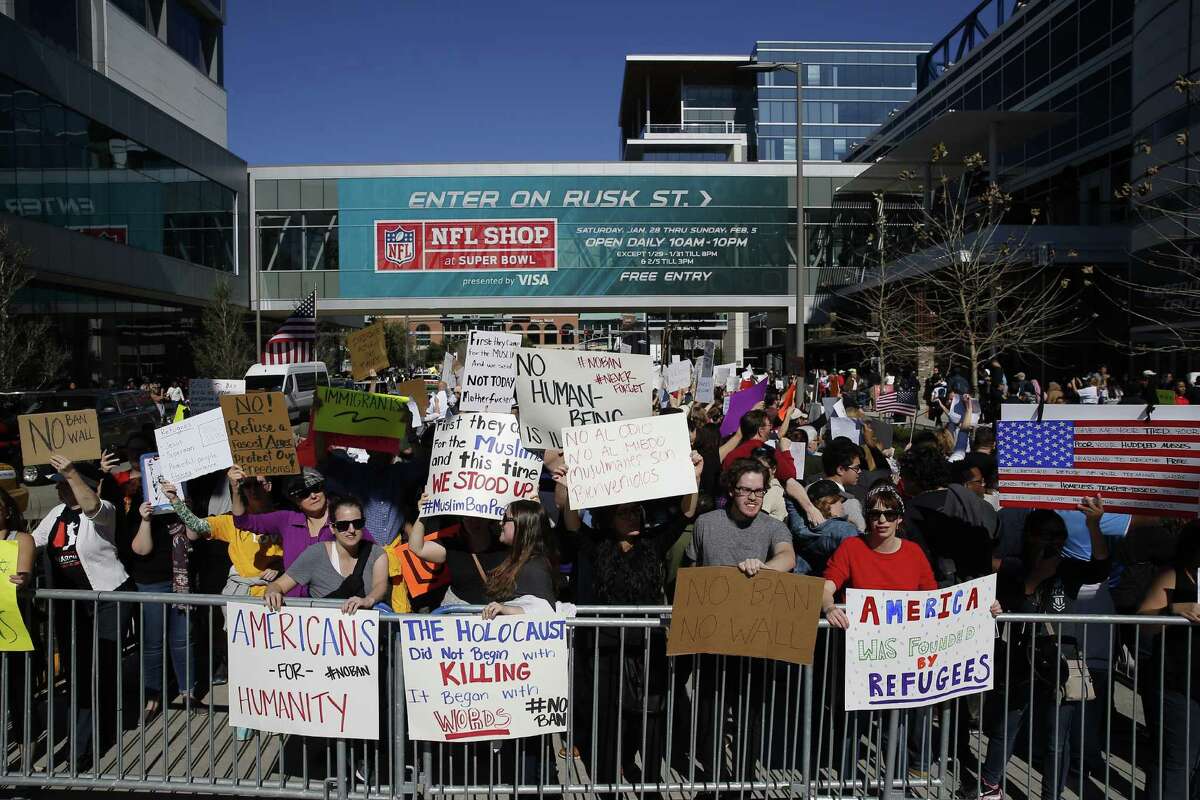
(298,382)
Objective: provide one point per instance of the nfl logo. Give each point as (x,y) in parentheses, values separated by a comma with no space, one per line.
(399,245)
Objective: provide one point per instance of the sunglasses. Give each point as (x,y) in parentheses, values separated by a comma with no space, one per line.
(891,515)
(308,491)
(344,525)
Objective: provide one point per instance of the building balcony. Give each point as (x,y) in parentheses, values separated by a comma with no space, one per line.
(701,141)
(675,130)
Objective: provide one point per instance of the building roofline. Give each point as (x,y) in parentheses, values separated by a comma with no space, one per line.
(684,57)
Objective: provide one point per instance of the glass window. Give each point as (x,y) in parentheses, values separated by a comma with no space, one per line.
(568,334)
(57,20)
(135,9)
(305,381)
(551,336)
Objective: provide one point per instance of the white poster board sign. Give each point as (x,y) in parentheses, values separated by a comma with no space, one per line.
(629,461)
(204,394)
(490,371)
(448,375)
(626,349)
(307,671)
(468,679)
(559,389)
(910,649)
(679,375)
(478,467)
(845,426)
(193,447)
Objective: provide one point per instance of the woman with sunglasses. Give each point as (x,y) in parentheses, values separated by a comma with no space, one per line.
(349,568)
(296,530)
(530,569)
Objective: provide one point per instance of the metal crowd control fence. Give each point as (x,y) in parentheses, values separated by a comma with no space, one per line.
(639,723)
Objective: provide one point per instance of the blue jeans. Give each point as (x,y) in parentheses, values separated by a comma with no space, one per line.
(1180,762)
(1052,744)
(182,657)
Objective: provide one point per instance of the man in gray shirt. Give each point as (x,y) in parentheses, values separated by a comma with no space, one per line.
(741,535)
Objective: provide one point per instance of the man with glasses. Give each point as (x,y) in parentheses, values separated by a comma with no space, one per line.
(842,463)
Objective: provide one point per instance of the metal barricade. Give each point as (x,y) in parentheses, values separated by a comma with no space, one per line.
(639,723)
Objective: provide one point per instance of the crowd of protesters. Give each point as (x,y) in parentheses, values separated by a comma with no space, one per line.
(915,513)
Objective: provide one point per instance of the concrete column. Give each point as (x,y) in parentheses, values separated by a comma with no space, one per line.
(736,337)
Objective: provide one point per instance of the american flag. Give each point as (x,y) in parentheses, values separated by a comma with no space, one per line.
(1137,466)
(900,401)
(293,343)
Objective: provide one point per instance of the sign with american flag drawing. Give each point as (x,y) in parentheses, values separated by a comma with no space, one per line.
(1138,465)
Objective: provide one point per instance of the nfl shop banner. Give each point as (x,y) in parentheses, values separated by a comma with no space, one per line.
(470,679)
(466,244)
(1137,464)
(478,466)
(559,389)
(307,671)
(910,649)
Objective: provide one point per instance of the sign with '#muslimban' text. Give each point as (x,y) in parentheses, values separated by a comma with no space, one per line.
(721,611)
(559,389)
(307,671)
(478,467)
(204,394)
(490,372)
(75,435)
(469,679)
(909,649)
(629,461)
(361,413)
(193,447)
(260,433)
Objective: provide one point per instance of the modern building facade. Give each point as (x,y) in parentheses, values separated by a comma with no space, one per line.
(115,176)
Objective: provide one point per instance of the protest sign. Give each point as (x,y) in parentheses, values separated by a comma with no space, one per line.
(626,349)
(679,375)
(75,435)
(152,478)
(368,351)
(307,671)
(196,446)
(260,434)
(845,427)
(14,636)
(204,394)
(469,679)
(490,371)
(705,391)
(910,649)
(478,467)
(361,413)
(448,376)
(719,610)
(885,434)
(628,461)
(559,389)
(834,407)
(415,391)
(799,452)
(740,403)
(1166,397)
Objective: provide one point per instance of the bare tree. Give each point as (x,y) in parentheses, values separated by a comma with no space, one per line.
(30,355)
(223,349)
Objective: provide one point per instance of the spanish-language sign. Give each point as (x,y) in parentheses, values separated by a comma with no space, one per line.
(307,671)
(260,433)
(469,679)
(415,391)
(910,649)
(629,461)
(719,610)
(193,447)
(740,403)
(559,389)
(490,371)
(204,394)
(152,478)
(478,467)
(75,435)
(14,636)
(361,413)
(368,351)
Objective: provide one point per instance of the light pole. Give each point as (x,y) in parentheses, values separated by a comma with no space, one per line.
(801,243)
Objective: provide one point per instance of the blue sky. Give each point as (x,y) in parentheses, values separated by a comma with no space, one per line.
(492,80)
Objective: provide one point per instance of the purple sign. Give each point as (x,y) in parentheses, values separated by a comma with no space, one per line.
(740,403)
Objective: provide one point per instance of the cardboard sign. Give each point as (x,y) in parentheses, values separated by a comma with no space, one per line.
(152,477)
(361,413)
(308,671)
(629,461)
(204,394)
(559,389)
(260,433)
(478,467)
(679,375)
(75,435)
(14,636)
(469,679)
(910,649)
(719,610)
(193,447)
(368,351)
(490,372)
(415,391)
(740,403)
